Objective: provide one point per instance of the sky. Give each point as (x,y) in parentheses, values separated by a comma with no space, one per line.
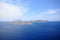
(11,10)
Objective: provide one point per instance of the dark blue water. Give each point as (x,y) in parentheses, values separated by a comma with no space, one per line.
(36,31)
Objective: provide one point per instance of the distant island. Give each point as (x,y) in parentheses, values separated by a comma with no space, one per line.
(28,22)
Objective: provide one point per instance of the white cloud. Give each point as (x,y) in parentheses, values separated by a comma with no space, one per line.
(51,11)
(10,12)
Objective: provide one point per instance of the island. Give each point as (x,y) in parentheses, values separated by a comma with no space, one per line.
(40,20)
(22,22)
(28,22)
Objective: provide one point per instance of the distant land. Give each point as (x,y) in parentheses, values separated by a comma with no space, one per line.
(27,22)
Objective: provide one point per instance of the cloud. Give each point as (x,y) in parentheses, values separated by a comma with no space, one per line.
(9,12)
(51,11)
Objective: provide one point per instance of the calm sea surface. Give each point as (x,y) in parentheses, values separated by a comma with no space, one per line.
(35,31)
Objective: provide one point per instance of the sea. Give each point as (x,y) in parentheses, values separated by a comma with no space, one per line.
(37,31)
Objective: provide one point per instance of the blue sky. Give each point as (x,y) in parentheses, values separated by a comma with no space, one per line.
(29,10)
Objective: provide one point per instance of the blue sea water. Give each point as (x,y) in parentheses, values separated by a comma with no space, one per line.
(35,31)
